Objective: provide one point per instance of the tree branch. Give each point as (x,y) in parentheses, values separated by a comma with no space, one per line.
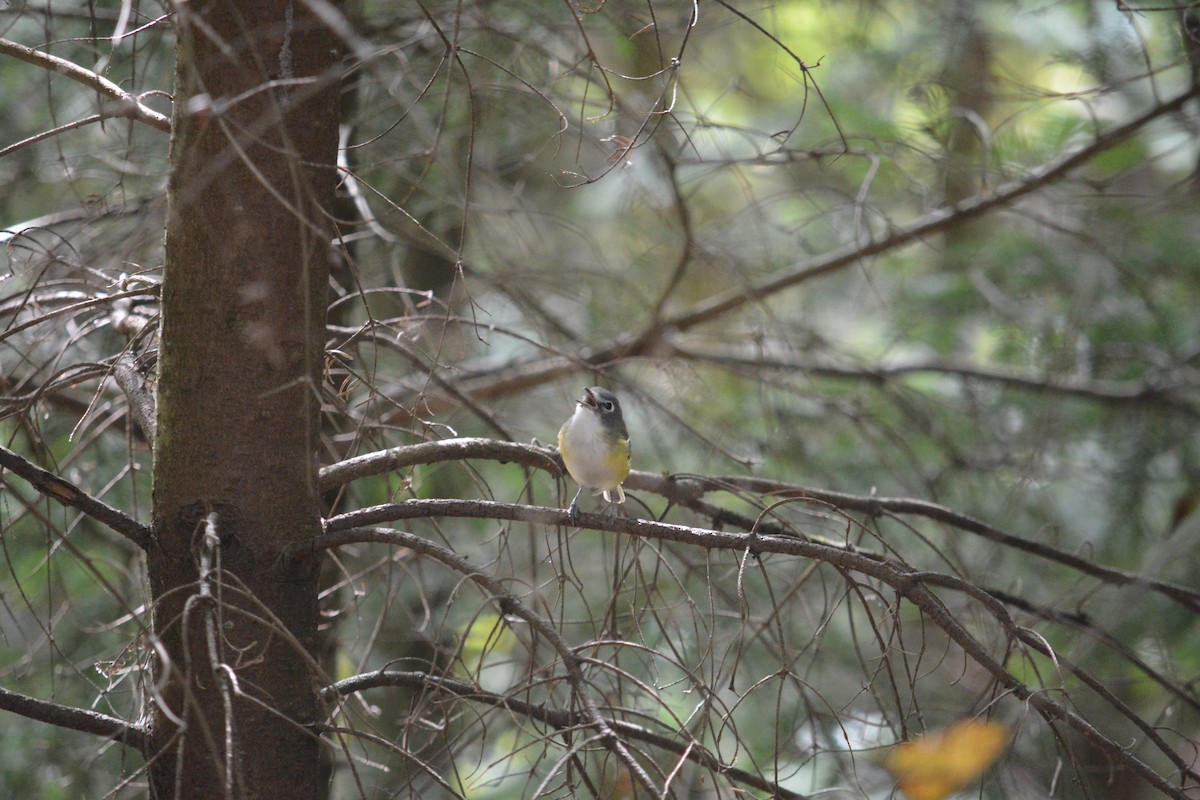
(876,506)
(76,719)
(69,494)
(1114,393)
(527,372)
(141,398)
(339,530)
(70,126)
(129,105)
(509,604)
(916,590)
(377,463)
(929,225)
(1034,641)
(909,584)
(677,742)
(685,491)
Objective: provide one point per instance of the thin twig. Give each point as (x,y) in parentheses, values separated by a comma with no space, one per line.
(130,105)
(876,506)
(509,604)
(1159,390)
(561,719)
(911,585)
(524,373)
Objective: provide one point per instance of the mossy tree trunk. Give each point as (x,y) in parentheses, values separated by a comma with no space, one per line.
(247,243)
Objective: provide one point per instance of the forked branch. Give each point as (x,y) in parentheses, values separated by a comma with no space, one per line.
(129,105)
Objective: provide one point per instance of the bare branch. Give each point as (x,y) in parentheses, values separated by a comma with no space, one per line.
(912,585)
(1037,643)
(76,719)
(1113,393)
(525,373)
(69,494)
(560,718)
(141,398)
(363,466)
(914,589)
(347,528)
(875,506)
(943,219)
(509,605)
(70,126)
(684,490)
(91,302)
(130,105)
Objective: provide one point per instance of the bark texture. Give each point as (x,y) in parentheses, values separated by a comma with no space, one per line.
(247,241)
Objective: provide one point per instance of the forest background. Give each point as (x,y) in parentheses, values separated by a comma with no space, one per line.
(899,297)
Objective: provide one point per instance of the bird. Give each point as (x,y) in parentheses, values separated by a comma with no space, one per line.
(594,445)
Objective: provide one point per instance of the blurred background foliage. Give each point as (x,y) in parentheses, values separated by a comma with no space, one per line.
(536,197)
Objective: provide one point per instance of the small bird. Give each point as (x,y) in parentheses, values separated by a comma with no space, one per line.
(595,447)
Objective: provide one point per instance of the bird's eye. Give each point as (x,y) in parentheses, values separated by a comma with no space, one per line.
(608,406)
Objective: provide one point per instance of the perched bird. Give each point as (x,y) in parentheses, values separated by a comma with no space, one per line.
(595,447)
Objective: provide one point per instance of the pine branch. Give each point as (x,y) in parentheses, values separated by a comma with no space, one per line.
(76,719)
(68,494)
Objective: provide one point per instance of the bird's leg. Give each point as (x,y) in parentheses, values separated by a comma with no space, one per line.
(573,510)
(616,502)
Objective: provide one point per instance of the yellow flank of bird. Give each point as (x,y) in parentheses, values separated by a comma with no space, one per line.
(595,446)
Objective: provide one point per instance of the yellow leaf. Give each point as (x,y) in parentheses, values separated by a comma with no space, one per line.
(935,765)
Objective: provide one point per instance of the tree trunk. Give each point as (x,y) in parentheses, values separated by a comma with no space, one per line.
(243,304)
